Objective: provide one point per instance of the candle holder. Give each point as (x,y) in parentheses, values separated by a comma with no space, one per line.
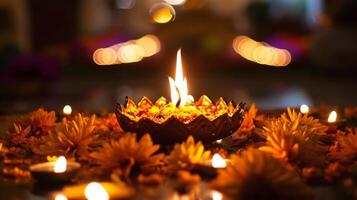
(44,172)
(168,123)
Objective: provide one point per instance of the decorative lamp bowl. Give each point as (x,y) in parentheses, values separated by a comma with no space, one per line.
(169,124)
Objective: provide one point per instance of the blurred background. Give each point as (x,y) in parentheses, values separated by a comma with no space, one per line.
(92,53)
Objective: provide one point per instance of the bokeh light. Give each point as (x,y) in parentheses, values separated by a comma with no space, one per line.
(130,53)
(304,109)
(60,197)
(150,44)
(176,2)
(260,52)
(67,110)
(162,13)
(104,56)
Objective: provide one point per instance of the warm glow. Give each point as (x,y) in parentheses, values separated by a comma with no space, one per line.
(178,87)
(150,45)
(332,117)
(67,110)
(217,195)
(95,191)
(218,161)
(304,109)
(60,197)
(129,53)
(162,14)
(261,52)
(176,2)
(104,56)
(219,141)
(60,165)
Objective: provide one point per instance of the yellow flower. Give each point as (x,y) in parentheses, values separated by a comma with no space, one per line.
(31,126)
(184,155)
(69,137)
(248,122)
(295,138)
(346,147)
(127,152)
(256,175)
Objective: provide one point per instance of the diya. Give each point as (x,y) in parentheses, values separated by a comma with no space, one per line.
(172,122)
(60,171)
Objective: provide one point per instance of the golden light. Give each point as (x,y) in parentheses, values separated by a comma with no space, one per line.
(178,87)
(95,191)
(176,2)
(304,109)
(60,197)
(60,165)
(260,52)
(150,44)
(216,195)
(162,13)
(332,117)
(219,141)
(129,53)
(67,110)
(218,161)
(104,56)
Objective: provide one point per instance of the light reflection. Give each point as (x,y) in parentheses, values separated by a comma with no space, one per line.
(260,52)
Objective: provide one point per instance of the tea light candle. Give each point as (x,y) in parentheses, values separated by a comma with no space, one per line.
(98,190)
(209,168)
(57,172)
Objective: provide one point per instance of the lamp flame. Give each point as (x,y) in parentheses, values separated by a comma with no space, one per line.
(218,161)
(178,87)
(95,191)
(304,109)
(60,165)
(216,195)
(332,117)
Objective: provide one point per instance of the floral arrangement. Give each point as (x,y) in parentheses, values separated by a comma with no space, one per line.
(283,156)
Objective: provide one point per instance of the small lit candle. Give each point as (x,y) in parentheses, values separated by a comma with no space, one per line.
(60,197)
(67,110)
(304,109)
(98,190)
(59,171)
(95,191)
(332,118)
(218,162)
(216,195)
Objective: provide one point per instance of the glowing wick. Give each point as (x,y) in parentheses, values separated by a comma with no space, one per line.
(304,109)
(332,117)
(60,165)
(95,191)
(218,161)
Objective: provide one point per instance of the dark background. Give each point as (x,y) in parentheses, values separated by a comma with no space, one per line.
(46,50)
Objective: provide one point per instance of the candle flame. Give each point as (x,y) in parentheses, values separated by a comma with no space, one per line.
(218,161)
(332,117)
(60,197)
(178,87)
(95,191)
(216,195)
(60,165)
